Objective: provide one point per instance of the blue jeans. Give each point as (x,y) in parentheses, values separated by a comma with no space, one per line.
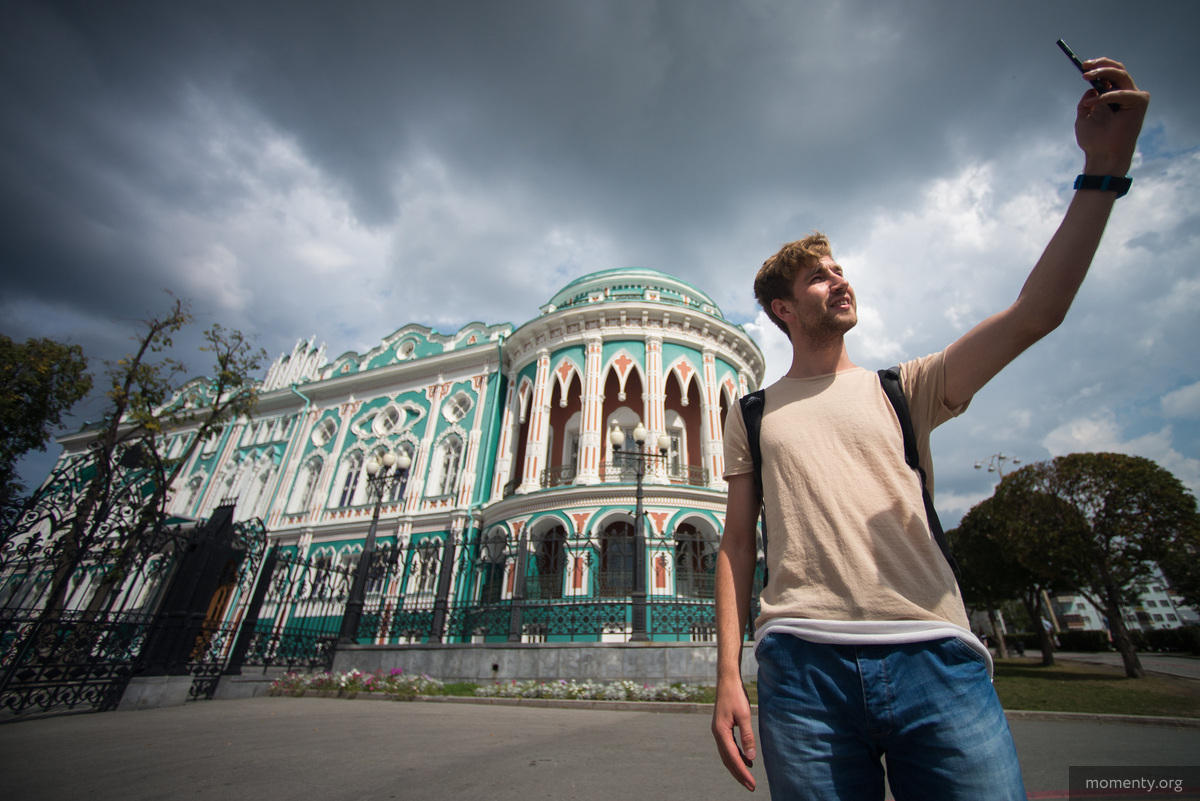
(827,713)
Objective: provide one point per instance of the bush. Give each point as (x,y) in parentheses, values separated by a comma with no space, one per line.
(1086,641)
(1025,639)
(1185,639)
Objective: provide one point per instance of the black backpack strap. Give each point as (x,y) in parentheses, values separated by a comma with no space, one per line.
(890,379)
(752,414)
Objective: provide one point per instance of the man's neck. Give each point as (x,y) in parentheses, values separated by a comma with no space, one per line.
(810,361)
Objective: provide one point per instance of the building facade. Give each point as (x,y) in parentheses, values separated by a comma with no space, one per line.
(1157,607)
(517,519)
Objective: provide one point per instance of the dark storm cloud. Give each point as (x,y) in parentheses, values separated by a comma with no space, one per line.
(341,169)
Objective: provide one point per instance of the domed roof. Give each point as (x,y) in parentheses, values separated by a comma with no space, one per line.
(631,284)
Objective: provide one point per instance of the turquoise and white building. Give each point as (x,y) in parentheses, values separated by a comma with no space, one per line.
(514,496)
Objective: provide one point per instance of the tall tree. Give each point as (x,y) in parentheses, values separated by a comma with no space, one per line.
(1182,568)
(1098,522)
(126,473)
(40,381)
(992,574)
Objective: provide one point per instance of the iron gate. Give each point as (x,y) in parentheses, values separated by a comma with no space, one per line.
(86,604)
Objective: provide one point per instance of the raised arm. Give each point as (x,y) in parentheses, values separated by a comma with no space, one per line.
(1108,139)
(734,582)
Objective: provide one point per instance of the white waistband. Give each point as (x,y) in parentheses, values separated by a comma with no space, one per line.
(871,632)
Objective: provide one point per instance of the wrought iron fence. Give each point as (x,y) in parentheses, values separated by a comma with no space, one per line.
(84,608)
(303,600)
(560,588)
(94,589)
(78,593)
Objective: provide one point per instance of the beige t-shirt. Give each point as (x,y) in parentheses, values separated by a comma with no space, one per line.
(848,537)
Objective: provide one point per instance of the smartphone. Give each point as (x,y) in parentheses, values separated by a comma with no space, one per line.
(1097,85)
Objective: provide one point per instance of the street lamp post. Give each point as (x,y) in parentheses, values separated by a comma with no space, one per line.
(616,438)
(381,478)
(995,463)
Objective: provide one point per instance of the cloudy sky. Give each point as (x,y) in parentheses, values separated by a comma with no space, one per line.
(342,169)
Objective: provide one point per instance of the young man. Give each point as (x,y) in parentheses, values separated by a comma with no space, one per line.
(863,644)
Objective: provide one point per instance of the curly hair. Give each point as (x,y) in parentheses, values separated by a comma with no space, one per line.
(778,273)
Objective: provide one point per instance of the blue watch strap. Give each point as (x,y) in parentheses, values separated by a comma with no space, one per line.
(1105,183)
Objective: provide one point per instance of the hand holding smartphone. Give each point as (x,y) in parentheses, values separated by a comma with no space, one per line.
(1097,85)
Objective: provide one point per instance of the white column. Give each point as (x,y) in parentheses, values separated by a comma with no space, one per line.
(504,445)
(655,405)
(711,453)
(591,432)
(539,426)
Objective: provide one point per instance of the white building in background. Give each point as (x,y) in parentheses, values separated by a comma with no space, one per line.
(1157,608)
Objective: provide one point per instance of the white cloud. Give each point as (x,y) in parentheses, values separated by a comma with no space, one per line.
(1183,402)
(1102,433)
(949,503)
(776,347)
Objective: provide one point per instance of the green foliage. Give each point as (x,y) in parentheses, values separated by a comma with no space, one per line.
(1085,641)
(144,404)
(146,397)
(1181,565)
(1098,523)
(991,572)
(40,381)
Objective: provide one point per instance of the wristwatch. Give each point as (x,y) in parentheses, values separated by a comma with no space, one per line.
(1105,183)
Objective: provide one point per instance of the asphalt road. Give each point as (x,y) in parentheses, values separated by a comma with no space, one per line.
(315,748)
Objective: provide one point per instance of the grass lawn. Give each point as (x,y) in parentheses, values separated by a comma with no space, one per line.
(1098,689)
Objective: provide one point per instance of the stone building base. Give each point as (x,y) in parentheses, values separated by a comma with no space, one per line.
(155,692)
(643,662)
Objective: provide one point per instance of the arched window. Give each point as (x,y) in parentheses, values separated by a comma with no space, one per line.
(695,563)
(492,558)
(427,567)
(443,478)
(324,432)
(396,488)
(229,488)
(387,420)
(320,577)
(191,493)
(456,408)
(306,487)
(545,580)
(257,492)
(616,559)
(677,453)
(352,473)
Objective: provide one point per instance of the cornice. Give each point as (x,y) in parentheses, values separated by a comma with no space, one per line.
(639,319)
(602,495)
(415,374)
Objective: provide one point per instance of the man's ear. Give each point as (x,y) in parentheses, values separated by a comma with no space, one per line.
(783,310)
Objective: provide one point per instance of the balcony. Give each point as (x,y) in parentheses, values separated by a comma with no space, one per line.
(619,472)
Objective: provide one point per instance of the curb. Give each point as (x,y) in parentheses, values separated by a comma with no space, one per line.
(1086,717)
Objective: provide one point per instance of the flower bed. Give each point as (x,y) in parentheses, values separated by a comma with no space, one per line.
(593,691)
(393,682)
(396,683)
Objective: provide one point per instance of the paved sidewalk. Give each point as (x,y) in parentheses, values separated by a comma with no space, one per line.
(1178,665)
(315,748)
